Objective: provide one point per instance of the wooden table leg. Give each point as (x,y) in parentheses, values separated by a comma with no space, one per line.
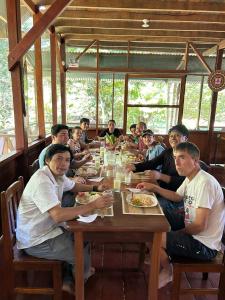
(154,267)
(79,265)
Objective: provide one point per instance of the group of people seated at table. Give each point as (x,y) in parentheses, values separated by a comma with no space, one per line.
(191,199)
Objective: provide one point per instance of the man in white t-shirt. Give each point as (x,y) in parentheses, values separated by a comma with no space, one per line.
(40,220)
(198,233)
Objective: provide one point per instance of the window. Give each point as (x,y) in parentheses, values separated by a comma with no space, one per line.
(111,98)
(7,122)
(7,126)
(197,103)
(46,73)
(58,93)
(81,97)
(31,120)
(154,101)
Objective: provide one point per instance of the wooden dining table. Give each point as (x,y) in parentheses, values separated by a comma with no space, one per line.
(122,227)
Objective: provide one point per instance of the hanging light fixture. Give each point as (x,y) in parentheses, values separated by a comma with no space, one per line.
(145,23)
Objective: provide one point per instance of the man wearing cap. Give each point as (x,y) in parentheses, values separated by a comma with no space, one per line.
(154,149)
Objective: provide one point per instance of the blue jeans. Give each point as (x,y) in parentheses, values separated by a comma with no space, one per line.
(61,248)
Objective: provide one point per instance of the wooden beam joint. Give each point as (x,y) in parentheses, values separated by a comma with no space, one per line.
(36,31)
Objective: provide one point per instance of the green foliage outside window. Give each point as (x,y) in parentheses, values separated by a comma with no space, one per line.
(6,103)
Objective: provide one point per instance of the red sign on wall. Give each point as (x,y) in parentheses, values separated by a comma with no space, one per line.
(216,80)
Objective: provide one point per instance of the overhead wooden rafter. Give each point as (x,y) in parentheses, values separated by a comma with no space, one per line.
(200,57)
(117,21)
(35,32)
(184,61)
(85,50)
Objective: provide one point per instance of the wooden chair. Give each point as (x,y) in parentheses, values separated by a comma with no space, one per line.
(217,265)
(17,260)
(34,167)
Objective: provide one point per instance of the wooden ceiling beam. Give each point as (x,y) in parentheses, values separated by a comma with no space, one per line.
(36,31)
(210,51)
(178,46)
(172,16)
(156,25)
(221,45)
(126,70)
(184,59)
(85,50)
(200,57)
(31,6)
(139,32)
(141,5)
(132,38)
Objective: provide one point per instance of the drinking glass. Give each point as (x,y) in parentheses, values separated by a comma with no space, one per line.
(116,184)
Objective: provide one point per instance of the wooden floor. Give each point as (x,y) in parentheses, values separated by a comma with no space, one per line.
(116,279)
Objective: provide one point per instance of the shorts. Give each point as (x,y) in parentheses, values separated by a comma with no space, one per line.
(182,244)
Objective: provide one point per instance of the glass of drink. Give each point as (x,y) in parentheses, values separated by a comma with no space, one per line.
(102,152)
(117,184)
(128,178)
(97,162)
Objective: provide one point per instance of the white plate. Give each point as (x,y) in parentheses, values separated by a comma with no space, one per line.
(87,197)
(89,172)
(151,198)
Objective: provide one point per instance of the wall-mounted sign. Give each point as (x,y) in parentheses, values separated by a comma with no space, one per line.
(216,80)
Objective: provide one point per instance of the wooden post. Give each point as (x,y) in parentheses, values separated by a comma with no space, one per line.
(97,89)
(218,65)
(53,75)
(63,81)
(97,102)
(14,35)
(113,95)
(182,94)
(39,83)
(125,104)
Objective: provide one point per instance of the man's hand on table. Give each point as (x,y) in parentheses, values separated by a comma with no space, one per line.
(79,179)
(153,175)
(102,187)
(103,201)
(147,186)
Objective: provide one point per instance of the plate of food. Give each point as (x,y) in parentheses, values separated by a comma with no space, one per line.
(86,172)
(86,197)
(142,200)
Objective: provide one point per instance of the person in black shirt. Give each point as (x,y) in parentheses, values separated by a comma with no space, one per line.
(111,130)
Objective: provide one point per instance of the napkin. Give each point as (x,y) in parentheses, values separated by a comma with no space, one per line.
(96,179)
(133,190)
(87,219)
